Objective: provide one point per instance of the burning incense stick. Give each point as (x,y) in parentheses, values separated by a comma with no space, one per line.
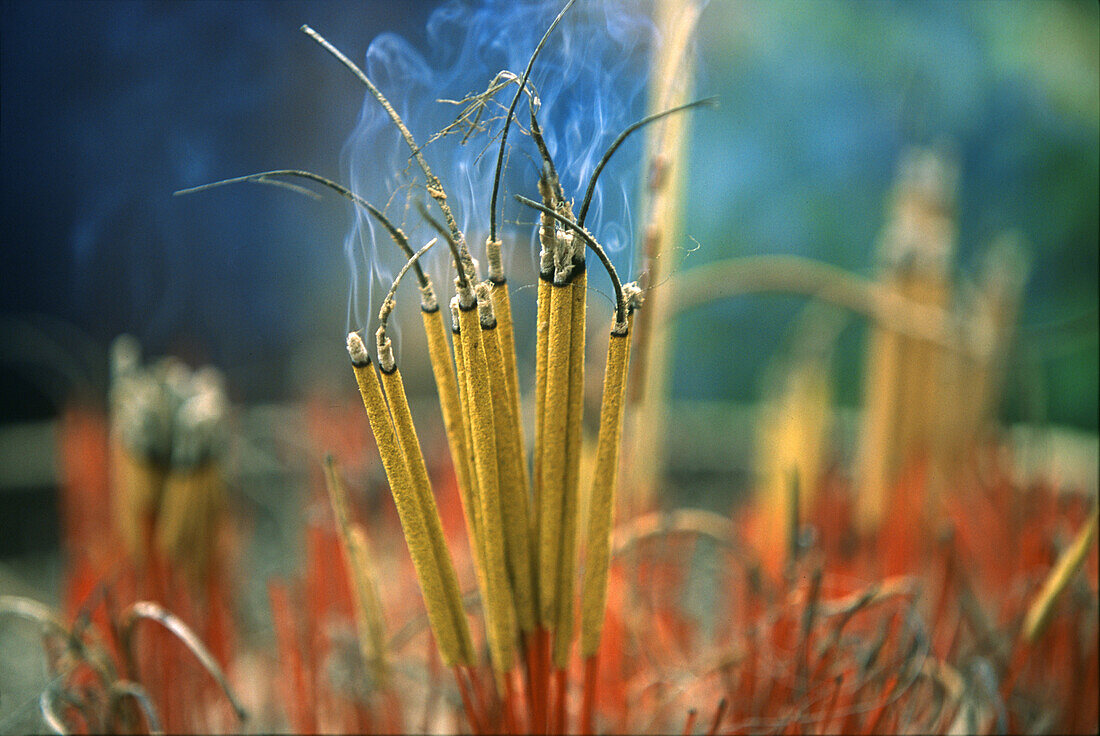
(499,607)
(510,466)
(441,595)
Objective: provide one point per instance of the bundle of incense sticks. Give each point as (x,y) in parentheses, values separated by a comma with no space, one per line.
(523,531)
(523,526)
(168,425)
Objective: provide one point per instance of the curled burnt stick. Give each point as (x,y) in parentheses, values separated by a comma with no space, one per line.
(171,622)
(583,212)
(263,177)
(508,120)
(434,186)
(464,264)
(389,303)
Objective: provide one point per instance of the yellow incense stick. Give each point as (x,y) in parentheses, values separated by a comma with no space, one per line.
(369,612)
(542,333)
(563,633)
(137,486)
(498,608)
(394,387)
(450,405)
(187,519)
(502,306)
(451,632)
(473,512)
(369,621)
(512,479)
(1039,614)
(601,507)
(552,490)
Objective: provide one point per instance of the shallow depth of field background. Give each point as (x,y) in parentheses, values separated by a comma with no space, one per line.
(107,108)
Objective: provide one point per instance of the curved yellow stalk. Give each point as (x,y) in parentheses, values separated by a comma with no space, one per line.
(1039,614)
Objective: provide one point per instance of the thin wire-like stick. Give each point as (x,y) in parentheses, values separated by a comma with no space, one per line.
(389,302)
(435,187)
(126,689)
(582,213)
(508,120)
(262,177)
(156,612)
(461,265)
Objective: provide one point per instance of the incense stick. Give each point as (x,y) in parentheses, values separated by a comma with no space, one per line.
(451,632)
(369,619)
(499,606)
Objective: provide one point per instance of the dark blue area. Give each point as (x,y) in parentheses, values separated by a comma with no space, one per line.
(109,107)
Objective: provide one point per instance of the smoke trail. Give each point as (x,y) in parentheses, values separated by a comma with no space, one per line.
(590,79)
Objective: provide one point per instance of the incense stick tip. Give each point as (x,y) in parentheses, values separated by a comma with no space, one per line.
(386,360)
(493,256)
(357,350)
(454,315)
(428,301)
(485,312)
(633,296)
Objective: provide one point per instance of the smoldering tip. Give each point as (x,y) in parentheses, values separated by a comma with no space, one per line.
(357,349)
(633,295)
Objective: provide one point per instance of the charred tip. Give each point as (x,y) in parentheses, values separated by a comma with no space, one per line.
(386,362)
(495,261)
(485,312)
(357,349)
(454,315)
(429,303)
(633,296)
